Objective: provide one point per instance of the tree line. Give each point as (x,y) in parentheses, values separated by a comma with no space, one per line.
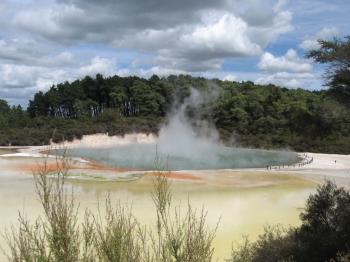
(255,115)
(252,115)
(131,96)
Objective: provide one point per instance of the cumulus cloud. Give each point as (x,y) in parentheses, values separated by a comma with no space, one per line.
(30,52)
(22,81)
(229,77)
(31,77)
(224,37)
(204,31)
(325,33)
(18,75)
(18,50)
(44,42)
(287,79)
(288,70)
(290,62)
(51,22)
(99,65)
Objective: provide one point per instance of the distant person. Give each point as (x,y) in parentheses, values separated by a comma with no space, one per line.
(335,161)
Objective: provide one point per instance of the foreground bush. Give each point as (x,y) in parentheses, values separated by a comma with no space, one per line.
(323,236)
(115,236)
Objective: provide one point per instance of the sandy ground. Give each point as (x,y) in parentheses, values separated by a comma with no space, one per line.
(323,167)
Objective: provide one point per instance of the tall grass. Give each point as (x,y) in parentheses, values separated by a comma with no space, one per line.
(179,238)
(59,236)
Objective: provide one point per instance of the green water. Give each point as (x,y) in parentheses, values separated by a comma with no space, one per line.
(142,156)
(4,151)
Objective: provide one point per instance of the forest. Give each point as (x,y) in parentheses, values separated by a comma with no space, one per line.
(245,114)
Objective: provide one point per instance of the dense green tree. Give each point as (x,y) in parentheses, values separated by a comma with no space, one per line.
(145,101)
(255,115)
(39,106)
(324,234)
(325,229)
(336,54)
(4,106)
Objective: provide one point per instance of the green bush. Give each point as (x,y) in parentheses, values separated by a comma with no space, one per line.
(323,236)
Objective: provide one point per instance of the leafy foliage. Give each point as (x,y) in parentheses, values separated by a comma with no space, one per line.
(182,238)
(323,236)
(336,53)
(254,115)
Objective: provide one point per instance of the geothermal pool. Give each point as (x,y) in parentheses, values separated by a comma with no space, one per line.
(248,201)
(178,146)
(143,157)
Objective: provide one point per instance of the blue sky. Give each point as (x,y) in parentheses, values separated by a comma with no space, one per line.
(44,42)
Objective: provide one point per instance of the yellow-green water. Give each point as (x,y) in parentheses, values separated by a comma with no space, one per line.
(6,151)
(242,211)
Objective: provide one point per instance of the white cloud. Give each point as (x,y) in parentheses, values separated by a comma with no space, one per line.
(48,22)
(326,33)
(20,82)
(203,47)
(288,70)
(17,80)
(18,75)
(62,59)
(18,49)
(227,36)
(193,39)
(287,79)
(229,77)
(99,65)
(310,44)
(23,51)
(43,42)
(156,70)
(280,5)
(290,62)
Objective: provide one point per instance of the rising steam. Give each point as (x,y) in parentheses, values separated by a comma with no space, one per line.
(179,138)
(182,144)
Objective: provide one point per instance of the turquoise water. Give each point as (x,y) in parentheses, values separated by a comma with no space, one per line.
(143,157)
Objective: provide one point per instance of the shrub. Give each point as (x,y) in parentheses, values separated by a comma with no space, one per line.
(323,236)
